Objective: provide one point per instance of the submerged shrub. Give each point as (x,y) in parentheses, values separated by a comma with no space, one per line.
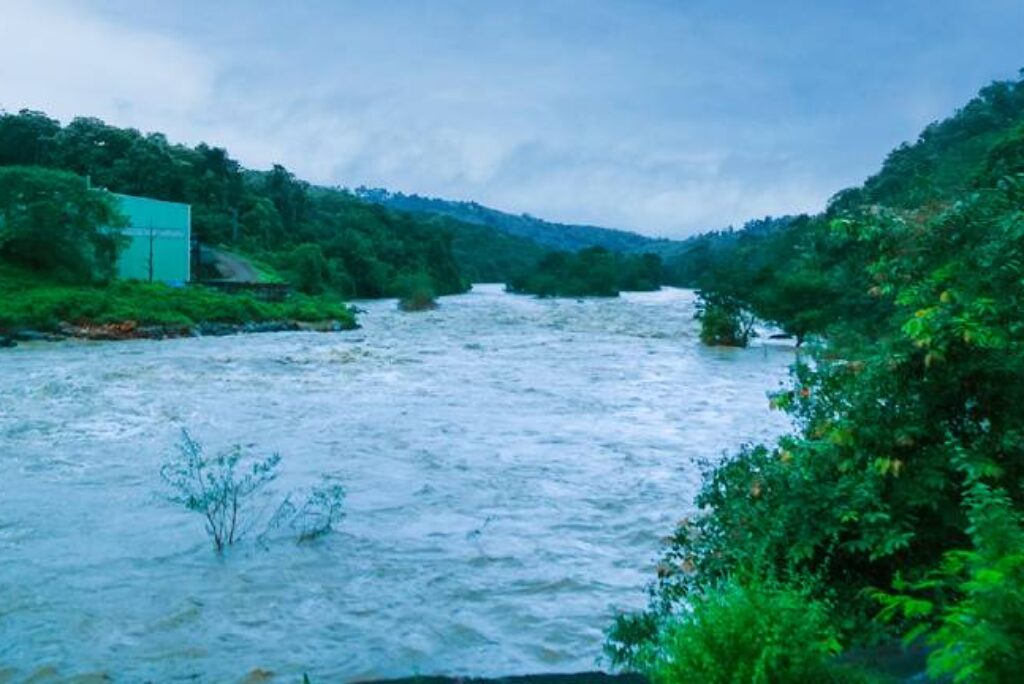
(216,487)
(322,509)
(416,292)
(221,489)
(723,322)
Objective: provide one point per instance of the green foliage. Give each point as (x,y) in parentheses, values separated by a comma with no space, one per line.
(364,247)
(747,632)
(553,236)
(970,608)
(310,268)
(723,321)
(487,255)
(913,287)
(223,493)
(214,488)
(321,509)
(799,273)
(415,292)
(697,261)
(592,272)
(979,638)
(53,222)
(948,157)
(30,301)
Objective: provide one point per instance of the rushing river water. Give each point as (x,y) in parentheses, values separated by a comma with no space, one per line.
(511,464)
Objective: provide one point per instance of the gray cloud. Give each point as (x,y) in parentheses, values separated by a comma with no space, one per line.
(663,117)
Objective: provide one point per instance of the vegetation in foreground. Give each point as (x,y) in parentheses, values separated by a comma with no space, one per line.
(592,272)
(897,502)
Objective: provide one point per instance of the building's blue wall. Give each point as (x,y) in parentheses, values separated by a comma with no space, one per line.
(160,240)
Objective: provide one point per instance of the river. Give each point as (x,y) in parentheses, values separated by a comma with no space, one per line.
(511,464)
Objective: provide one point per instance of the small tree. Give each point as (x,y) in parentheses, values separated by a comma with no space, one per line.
(724,321)
(416,292)
(310,267)
(214,487)
(52,221)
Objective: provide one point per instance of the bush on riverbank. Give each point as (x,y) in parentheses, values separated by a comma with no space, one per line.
(748,632)
(905,467)
(28,300)
(975,621)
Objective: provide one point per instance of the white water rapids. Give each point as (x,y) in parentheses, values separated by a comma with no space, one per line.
(511,464)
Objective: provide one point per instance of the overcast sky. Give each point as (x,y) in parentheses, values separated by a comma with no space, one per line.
(667,118)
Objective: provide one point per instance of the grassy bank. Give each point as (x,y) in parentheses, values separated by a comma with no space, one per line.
(31,301)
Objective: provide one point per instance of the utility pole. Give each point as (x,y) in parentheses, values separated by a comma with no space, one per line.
(151,236)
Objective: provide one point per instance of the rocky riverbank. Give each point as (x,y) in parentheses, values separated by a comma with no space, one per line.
(130,330)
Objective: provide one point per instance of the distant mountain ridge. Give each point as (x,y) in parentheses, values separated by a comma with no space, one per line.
(684,260)
(559,236)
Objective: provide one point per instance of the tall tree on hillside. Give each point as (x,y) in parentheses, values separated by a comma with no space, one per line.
(24,137)
(52,221)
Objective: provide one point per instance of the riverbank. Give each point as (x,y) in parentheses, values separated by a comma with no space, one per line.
(33,308)
(130,330)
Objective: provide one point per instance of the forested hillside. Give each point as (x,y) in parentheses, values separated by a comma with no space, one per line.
(691,262)
(558,236)
(895,509)
(686,262)
(592,272)
(321,238)
(484,254)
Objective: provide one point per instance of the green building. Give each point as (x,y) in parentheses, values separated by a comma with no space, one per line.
(160,239)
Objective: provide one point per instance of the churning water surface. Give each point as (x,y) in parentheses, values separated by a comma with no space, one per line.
(511,464)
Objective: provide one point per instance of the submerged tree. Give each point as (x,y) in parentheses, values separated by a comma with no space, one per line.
(216,488)
(724,321)
(221,489)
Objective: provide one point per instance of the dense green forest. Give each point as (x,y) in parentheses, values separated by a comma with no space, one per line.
(693,262)
(895,507)
(686,263)
(556,236)
(486,255)
(323,239)
(58,252)
(591,272)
